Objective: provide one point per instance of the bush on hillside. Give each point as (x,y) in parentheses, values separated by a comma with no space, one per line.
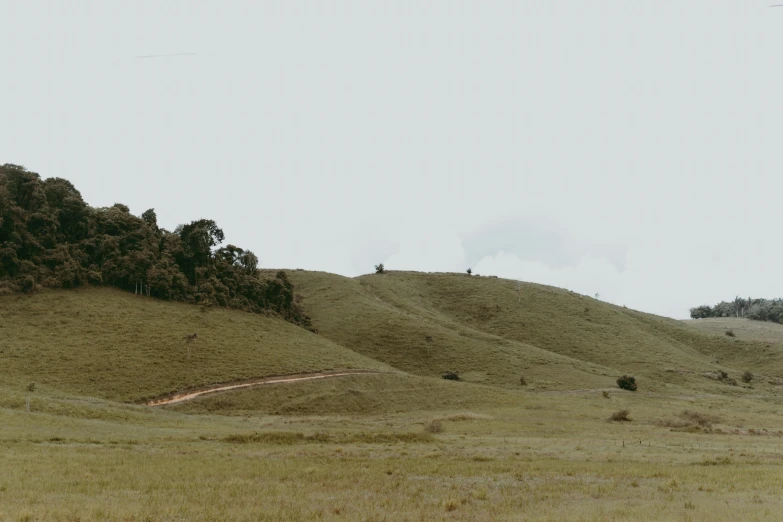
(451,376)
(730,333)
(469,271)
(747,377)
(380,269)
(627,382)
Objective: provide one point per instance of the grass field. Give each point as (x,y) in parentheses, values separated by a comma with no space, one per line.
(402,444)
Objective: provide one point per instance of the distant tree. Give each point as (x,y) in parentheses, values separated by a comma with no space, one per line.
(150,217)
(739,305)
(380,269)
(469,271)
(701,312)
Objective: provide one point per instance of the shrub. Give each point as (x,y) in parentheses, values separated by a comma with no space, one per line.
(451,376)
(435,426)
(522,381)
(380,269)
(620,416)
(605,394)
(730,333)
(747,377)
(469,271)
(627,382)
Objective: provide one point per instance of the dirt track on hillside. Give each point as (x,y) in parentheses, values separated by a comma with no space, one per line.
(186,396)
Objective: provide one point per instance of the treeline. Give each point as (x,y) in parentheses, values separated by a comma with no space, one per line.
(756,309)
(50,237)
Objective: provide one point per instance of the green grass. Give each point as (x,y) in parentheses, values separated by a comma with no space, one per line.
(365,394)
(362,447)
(106,343)
(493,334)
(763,331)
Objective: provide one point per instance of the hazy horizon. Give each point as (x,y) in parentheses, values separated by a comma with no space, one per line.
(624,149)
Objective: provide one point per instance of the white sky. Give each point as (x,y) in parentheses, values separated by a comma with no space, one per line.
(634,149)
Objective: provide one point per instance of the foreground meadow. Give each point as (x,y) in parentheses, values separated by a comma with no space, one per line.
(552,457)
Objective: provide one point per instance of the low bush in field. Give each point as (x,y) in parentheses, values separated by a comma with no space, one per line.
(620,416)
(627,382)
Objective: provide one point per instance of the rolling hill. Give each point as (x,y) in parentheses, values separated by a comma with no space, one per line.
(505,340)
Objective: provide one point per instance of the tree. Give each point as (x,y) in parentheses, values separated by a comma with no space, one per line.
(380,269)
(198,240)
(701,312)
(739,304)
(150,217)
(469,271)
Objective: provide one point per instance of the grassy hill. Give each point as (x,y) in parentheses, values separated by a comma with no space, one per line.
(404,443)
(106,343)
(109,344)
(494,331)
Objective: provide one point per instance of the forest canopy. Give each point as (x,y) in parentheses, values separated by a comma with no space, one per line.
(756,309)
(50,237)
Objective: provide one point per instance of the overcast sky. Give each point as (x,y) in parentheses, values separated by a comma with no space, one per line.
(631,149)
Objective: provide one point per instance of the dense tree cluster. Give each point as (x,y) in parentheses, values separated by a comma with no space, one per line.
(50,237)
(756,309)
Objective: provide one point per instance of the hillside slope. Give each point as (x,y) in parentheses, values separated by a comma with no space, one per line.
(107,343)
(493,330)
(364,315)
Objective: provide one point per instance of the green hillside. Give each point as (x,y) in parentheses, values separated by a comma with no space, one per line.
(493,331)
(106,343)
(413,327)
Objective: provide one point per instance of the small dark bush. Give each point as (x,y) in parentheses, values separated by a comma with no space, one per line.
(730,333)
(605,394)
(380,269)
(620,416)
(627,382)
(469,271)
(522,381)
(451,376)
(747,377)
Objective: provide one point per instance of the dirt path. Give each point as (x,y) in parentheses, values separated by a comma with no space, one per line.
(186,396)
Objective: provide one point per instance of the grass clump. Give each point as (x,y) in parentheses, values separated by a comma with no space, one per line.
(434,427)
(730,333)
(620,416)
(627,382)
(747,377)
(451,376)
